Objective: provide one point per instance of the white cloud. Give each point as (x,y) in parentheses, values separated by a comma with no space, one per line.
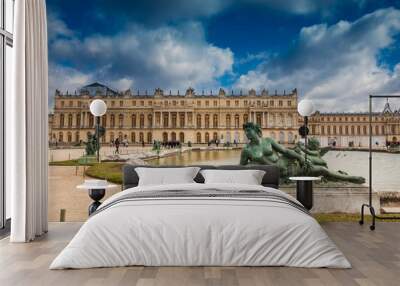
(146,58)
(336,65)
(65,79)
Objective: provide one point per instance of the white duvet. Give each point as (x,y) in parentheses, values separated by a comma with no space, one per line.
(200,231)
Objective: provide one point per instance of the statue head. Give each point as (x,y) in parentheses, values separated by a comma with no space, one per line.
(252,130)
(313,143)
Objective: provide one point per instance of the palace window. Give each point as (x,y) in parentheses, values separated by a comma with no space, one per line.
(150,120)
(258,119)
(322,130)
(61,120)
(150,103)
(112,103)
(121,120)
(181,137)
(174,102)
(236,103)
(198,103)
(198,137)
(289,103)
(207,121)
(245,118)
(69,120)
(134,103)
(78,120)
(133,137)
(121,103)
(149,137)
(215,103)
(91,120)
(141,104)
(141,122)
(207,103)
(198,121)
(271,103)
(62,103)
(71,103)
(228,121)
(112,120)
(228,103)
(174,121)
(182,103)
(258,103)
(376,130)
(245,103)
(207,137)
(182,120)
(280,103)
(215,120)
(133,120)
(237,121)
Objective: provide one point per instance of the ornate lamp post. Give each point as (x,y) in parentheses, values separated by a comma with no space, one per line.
(98,108)
(305,109)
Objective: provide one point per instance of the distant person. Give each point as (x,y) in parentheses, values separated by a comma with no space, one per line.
(117,143)
(217,142)
(142,143)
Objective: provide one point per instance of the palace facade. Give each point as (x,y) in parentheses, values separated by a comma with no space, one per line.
(198,118)
(352,129)
(201,118)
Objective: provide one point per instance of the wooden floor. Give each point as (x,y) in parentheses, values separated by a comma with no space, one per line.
(375,257)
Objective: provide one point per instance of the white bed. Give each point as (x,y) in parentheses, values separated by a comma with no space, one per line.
(202,231)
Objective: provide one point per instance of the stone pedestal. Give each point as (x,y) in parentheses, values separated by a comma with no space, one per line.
(338,199)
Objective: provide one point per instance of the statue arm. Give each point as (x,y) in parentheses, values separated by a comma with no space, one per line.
(287,152)
(309,152)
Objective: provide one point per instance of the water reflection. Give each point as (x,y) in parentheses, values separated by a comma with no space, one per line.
(212,157)
(385,165)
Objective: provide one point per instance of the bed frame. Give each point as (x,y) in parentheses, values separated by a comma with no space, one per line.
(270,179)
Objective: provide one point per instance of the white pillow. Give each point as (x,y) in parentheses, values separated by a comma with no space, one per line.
(248,177)
(166,176)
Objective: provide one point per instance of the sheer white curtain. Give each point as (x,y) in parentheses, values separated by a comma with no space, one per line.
(26,141)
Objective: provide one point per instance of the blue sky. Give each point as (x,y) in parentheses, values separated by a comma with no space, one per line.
(335,52)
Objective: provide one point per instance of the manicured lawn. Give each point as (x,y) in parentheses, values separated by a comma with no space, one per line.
(347,218)
(64,163)
(110,171)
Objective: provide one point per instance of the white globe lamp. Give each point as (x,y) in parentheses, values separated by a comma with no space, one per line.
(98,107)
(305,107)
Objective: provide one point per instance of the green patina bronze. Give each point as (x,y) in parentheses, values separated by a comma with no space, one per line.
(291,162)
(92,145)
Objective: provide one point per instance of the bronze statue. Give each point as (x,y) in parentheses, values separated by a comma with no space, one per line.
(92,145)
(290,162)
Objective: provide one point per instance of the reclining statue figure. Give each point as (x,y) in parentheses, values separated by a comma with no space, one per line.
(291,162)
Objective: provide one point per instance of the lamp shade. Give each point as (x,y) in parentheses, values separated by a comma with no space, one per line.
(305,107)
(98,107)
